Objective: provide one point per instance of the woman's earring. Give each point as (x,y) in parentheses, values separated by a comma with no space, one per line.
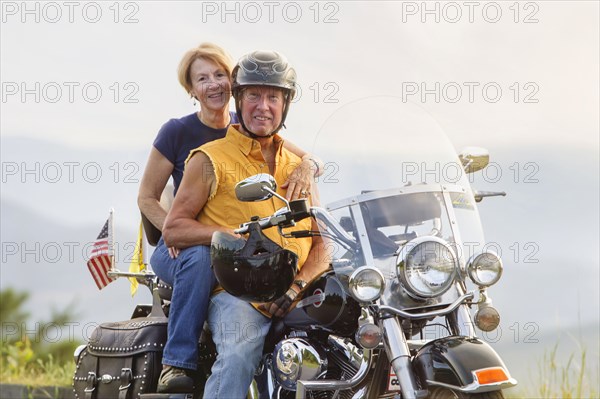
(194,98)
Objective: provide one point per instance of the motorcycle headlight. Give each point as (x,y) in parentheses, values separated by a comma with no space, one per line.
(426,266)
(485,269)
(366,284)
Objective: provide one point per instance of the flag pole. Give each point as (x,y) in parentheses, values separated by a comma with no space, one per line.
(111,241)
(145,245)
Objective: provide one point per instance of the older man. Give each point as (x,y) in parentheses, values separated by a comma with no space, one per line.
(263,87)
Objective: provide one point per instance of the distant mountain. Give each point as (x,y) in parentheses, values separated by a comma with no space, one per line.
(73,185)
(48,259)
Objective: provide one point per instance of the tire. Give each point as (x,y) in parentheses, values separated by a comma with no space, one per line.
(444,393)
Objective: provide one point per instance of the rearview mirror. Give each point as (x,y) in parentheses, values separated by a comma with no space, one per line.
(474,158)
(259,187)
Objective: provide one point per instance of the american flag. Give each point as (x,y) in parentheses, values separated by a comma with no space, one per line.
(101,260)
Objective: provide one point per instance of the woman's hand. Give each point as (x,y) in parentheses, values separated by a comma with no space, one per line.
(173,252)
(299,182)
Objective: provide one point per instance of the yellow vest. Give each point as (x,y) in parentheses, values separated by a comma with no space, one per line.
(234,158)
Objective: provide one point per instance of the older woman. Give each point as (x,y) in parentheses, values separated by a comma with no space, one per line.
(205,73)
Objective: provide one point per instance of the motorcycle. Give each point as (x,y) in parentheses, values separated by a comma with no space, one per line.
(392,317)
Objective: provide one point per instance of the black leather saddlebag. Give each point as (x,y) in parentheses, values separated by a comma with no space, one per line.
(122,360)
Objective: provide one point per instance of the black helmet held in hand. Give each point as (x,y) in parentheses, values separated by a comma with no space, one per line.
(264,68)
(256,269)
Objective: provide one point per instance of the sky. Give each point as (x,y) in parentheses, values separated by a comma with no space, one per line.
(87,85)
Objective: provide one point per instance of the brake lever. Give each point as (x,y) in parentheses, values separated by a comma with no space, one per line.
(262,223)
(303,234)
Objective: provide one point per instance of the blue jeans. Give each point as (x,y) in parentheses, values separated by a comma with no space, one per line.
(239,333)
(193,281)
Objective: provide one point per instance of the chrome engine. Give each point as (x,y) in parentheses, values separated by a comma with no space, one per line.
(306,359)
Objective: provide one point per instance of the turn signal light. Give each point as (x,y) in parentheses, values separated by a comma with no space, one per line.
(487,318)
(368,336)
(491,375)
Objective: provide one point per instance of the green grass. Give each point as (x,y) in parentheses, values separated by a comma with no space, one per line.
(570,379)
(35,362)
(19,365)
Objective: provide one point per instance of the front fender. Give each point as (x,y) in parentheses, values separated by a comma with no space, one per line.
(451,362)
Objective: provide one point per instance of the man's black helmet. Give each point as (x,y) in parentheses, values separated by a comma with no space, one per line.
(264,68)
(255,270)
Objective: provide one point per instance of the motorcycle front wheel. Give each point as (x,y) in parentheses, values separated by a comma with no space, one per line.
(443,393)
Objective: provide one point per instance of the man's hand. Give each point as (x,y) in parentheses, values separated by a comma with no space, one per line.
(280,306)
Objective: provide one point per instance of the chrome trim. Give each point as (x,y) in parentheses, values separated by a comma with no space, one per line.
(252,390)
(427,188)
(398,352)
(471,271)
(77,352)
(416,344)
(118,273)
(426,315)
(401,261)
(273,192)
(327,385)
(311,300)
(479,195)
(360,331)
(352,283)
(258,187)
(361,230)
(475,387)
(361,393)
(465,323)
(310,361)
(337,230)
(457,246)
(352,352)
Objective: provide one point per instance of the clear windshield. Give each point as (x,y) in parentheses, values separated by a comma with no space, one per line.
(379,143)
(391,176)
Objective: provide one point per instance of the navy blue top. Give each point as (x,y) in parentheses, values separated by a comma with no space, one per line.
(178,137)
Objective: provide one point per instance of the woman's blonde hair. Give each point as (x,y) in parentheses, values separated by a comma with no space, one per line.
(206,51)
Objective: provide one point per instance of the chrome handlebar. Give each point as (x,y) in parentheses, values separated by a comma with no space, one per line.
(286,219)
